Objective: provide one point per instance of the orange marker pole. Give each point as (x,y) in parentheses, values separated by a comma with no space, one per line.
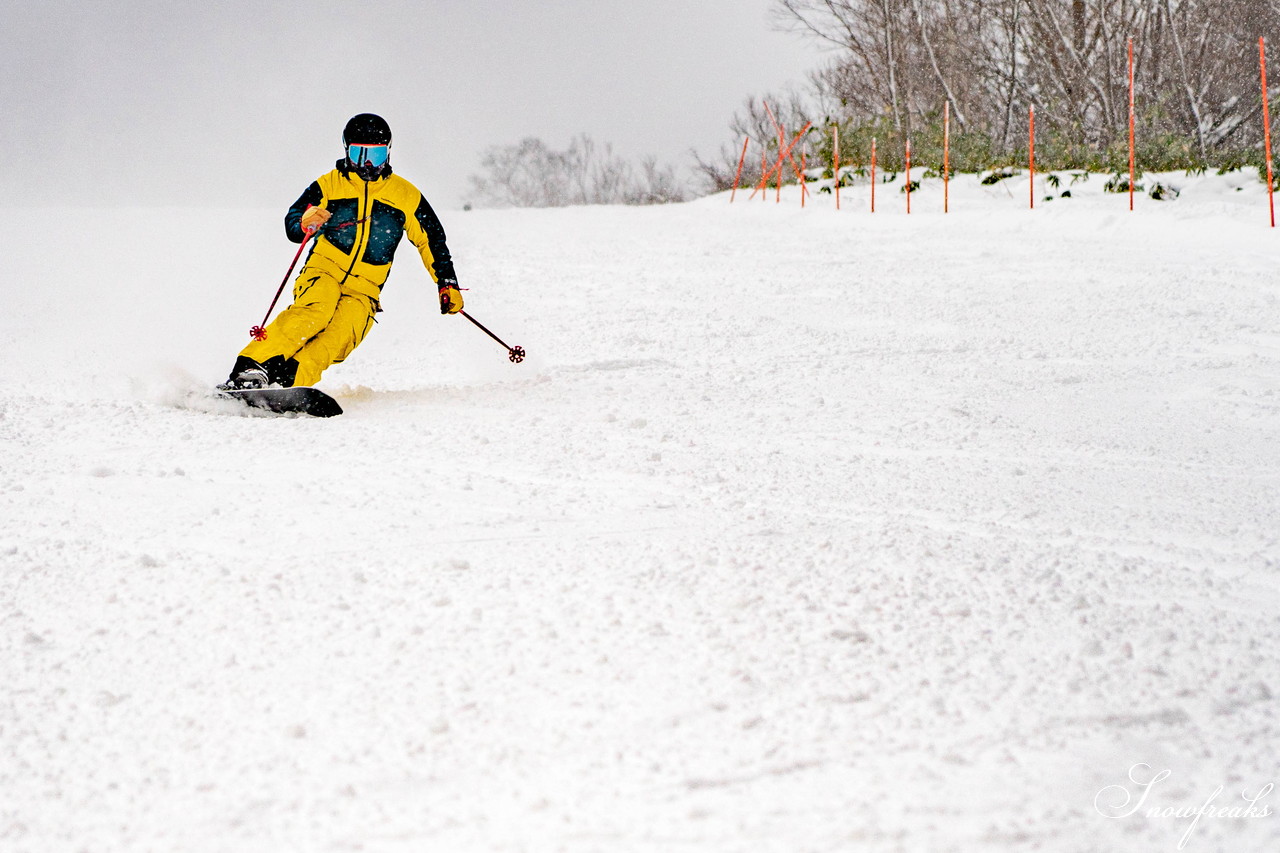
(764,173)
(1032,157)
(1132,157)
(1266,121)
(762,186)
(782,156)
(781,143)
(804,184)
(789,153)
(873,174)
(835,155)
(908,175)
(773,118)
(737,177)
(946,157)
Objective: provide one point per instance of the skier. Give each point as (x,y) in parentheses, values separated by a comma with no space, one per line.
(357,213)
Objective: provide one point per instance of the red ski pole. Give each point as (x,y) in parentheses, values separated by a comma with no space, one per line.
(515,354)
(259,333)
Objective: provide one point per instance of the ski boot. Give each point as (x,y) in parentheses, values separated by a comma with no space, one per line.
(246,374)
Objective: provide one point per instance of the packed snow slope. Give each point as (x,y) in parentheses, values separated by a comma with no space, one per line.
(799,530)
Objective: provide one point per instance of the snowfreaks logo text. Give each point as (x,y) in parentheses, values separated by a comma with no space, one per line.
(1121,801)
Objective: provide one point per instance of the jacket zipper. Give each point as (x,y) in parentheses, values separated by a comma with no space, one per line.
(358,250)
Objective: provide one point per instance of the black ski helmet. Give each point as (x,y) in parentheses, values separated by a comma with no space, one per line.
(366,129)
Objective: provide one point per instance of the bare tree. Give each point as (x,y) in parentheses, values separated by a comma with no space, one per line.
(531,174)
(871,73)
(757,121)
(1196,65)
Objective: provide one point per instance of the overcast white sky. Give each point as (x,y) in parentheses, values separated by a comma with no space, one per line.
(242,102)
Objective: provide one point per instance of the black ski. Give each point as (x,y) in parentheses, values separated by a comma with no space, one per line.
(302,400)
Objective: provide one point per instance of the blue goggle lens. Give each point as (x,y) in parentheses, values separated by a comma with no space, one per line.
(375,155)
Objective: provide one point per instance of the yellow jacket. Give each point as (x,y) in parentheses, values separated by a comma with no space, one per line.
(358,243)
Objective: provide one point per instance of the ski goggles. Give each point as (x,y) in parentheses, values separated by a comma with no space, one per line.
(374,155)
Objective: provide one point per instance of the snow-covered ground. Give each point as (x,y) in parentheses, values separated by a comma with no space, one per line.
(799,530)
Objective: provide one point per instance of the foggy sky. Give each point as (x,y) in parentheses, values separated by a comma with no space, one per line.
(236,103)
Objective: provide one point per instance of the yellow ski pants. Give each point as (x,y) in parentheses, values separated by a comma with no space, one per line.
(323,325)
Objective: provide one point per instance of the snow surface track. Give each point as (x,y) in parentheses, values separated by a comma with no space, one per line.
(797,531)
